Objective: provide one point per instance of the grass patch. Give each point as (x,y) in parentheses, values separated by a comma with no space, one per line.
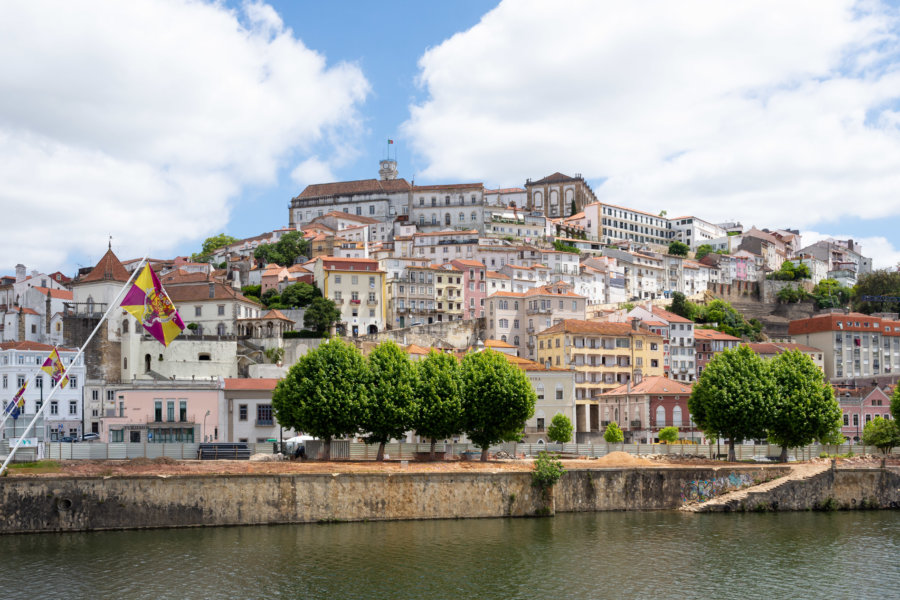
(41,466)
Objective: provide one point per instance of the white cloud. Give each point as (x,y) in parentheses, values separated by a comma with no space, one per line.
(775,113)
(882,251)
(142,119)
(312,170)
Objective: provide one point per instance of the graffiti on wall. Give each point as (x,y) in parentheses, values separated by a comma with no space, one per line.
(701,490)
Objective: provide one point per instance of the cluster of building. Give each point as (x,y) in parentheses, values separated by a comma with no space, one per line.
(568,287)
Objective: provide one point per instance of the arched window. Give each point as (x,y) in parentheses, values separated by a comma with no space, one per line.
(676,416)
(124,326)
(503,337)
(446,218)
(538,200)
(660,416)
(516,340)
(220,329)
(554,198)
(474,216)
(90,304)
(434,219)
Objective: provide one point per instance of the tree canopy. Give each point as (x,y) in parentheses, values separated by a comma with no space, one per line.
(391,398)
(497,399)
(831,294)
(560,429)
(790,272)
(732,399)
(895,403)
(702,250)
(613,434)
(803,405)
(321,314)
(677,248)
(881,283)
(296,295)
(720,312)
(881,433)
(324,393)
(438,413)
(210,244)
(285,251)
(668,435)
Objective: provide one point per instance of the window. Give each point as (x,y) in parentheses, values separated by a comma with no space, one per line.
(337,279)
(110,395)
(182,410)
(118,435)
(242,412)
(135,436)
(20,380)
(157,411)
(73,381)
(221,310)
(559,392)
(856,420)
(264,414)
(198,311)
(73,407)
(54,407)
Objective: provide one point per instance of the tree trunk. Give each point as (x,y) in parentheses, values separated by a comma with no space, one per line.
(783,457)
(731,457)
(433,444)
(327,449)
(380,455)
(484,453)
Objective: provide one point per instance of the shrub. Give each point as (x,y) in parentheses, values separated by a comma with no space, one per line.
(613,435)
(669,435)
(547,471)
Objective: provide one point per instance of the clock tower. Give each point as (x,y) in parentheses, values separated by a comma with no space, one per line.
(388,169)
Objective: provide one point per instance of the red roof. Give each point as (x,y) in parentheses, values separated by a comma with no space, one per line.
(843,322)
(32,346)
(712,334)
(655,385)
(669,316)
(61,294)
(362,186)
(265,384)
(108,269)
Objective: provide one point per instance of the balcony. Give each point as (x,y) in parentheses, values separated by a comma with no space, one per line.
(372,302)
(338,301)
(635,424)
(530,330)
(188,420)
(538,311)
(355,301)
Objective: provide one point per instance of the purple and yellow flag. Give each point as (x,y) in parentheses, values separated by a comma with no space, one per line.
(18,400)
(54,367)
(149,303)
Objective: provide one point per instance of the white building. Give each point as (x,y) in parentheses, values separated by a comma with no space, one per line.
(459,206)
(246,415)
(694,231)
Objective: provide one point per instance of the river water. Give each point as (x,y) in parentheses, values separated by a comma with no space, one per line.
(596,555)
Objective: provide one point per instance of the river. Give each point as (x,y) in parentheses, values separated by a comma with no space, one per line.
(596,555)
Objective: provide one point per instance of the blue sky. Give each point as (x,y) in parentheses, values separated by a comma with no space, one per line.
(189,118)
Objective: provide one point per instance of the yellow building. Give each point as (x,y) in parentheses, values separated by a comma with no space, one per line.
(357,287)
(604,357)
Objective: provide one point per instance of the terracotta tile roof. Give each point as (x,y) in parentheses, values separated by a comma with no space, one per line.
(545,290)
(415,349)
(198,292)
(61,294)
(669,316)
(107,269)
(28,311)
(502,294)
(778,347)
(265,384)
(467,263)
(841,322)
(276,314)
(555,178)
(348,188)
(32,347)
(712,334)
(497,344)
(182,276)
(655,385)
(448,187)
(496,275)
(338,214)
(447,232)
(593,328)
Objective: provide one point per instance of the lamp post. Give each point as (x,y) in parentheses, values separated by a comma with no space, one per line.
(204,426)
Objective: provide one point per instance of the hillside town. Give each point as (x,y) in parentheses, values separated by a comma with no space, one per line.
(581,295)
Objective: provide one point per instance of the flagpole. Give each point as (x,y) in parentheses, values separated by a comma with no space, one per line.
(113,304)
(7,413)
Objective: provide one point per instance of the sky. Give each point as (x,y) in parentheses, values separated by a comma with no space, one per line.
(160,123)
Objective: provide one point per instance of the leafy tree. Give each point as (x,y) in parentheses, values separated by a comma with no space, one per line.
(733,397)
(299,295)
(677,248)
(668,435)
(321,314)
(790,295)
(881,433)
(702,251)
(211,244)
(830,294)
(803,405)
(682,306)
(613,435)
(274,355)
(285,251)
(877,283)
(895,403)
(728,320)
(390,401)
(324,393)
(564,247)
(497,399)
(438,413)
(573,209)
(252,290)
(547,471)
(270,297)
(560,429)
(790,272)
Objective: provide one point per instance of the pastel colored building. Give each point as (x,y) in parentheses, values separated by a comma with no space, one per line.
(644,408)
(708,343)
(861,405)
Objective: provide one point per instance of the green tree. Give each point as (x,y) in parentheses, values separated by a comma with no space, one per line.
(252,290)
(564,247)
(390,401)
(677,248)
(881,283)
(285,251)
(573,209)
(668,435)
(270,297)
(547,471)
(324,393)
(702,251)
(895,403)
(299,295)
(881,433)
(274,355)
(560,429)
(438,412)
(733,397)
(803,405)
(497,399)
(613,435)
(682,306)
(321,314)
(830,294)
(728,320)
(211,244)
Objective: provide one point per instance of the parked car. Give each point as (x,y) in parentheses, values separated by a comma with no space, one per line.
(69,439)
(90,437)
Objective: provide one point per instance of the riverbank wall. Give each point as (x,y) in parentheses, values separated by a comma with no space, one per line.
(44,504)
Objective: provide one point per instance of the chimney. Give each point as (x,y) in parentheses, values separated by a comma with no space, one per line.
(20,273)
(21,325)
(236,277)
(635,325)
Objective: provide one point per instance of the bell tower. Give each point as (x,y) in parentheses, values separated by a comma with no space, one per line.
(388,169)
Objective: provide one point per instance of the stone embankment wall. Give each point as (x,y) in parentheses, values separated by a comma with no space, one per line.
(70,504)
(833,489)
(458,334)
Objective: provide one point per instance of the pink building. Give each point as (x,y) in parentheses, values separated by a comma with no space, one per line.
(474,287)
(861,405)
(165,412)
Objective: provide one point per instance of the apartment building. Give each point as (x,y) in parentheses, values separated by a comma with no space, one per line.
(357,287)
(459,206)
(769,350)
(708,343)
(474,287)
(604,356)
(694,231)
(678,345)
(609,224)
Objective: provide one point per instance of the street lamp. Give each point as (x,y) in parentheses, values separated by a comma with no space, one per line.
(204,426)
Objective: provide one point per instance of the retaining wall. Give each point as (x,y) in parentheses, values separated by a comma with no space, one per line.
(31,504)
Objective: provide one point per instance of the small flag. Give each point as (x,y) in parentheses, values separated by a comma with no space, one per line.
(149,303)
(390,141)
(19,398)
(54,367)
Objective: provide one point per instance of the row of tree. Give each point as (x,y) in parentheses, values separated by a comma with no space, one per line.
(787,400)
(333,391)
